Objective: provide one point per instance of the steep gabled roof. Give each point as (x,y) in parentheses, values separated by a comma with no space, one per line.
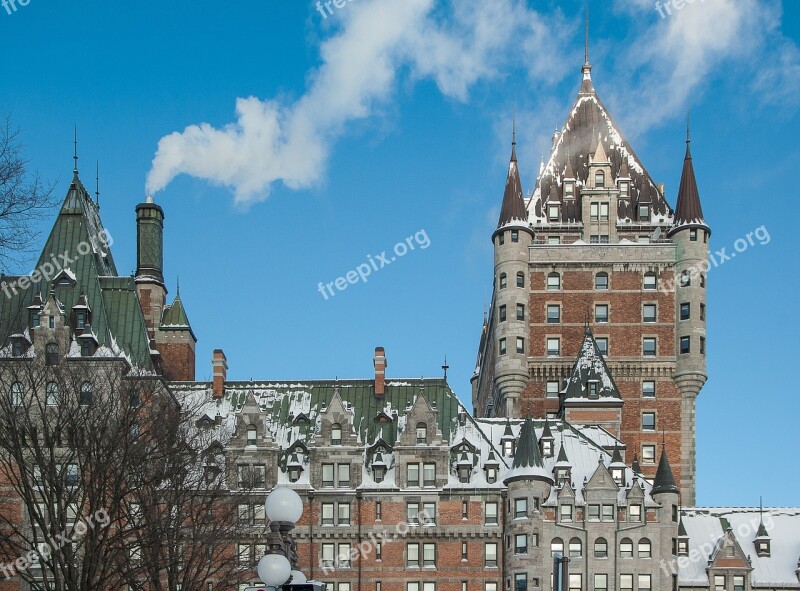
(590,367)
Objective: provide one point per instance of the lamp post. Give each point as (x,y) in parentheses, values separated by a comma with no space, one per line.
(278,567)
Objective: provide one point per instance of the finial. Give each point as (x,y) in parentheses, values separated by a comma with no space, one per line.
(663,439)
(75,150)
(688,127)
(514,136)
(445,367)
(586,41)
(178,287)
(484,308)
(97,187)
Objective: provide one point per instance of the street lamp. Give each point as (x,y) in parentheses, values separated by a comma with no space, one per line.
(284,507)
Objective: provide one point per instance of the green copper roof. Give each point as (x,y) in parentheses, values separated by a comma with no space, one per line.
(175,316)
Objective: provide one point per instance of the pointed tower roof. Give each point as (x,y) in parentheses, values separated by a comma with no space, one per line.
(688,211)
(617,457)
(562,455)
(591,367)
(682,528)
(664,481)
(174,316)
(635,464)
(528,461)
(513,211)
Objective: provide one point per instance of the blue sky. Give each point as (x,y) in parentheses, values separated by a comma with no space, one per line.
(387,118)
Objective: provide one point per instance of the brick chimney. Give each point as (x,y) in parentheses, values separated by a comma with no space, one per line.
(379,361)
(220,364)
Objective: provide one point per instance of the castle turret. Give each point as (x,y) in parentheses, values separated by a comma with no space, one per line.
(690,233)
(512,240)
(150,262)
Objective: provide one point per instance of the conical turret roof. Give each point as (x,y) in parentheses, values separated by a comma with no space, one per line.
(513,211)
(688,211)
(528,462)
(664,481)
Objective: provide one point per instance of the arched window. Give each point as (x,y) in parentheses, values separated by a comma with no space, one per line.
(51,391)
(557,547)
(51,354)
(644,548)
(252,435)
(626,548)
(520,279)
(422,433)
(336,434)
(575,548)
(503,281)
(599,179)
(600,548)
(16,394)
(86,395)
(601,281)
(554,281)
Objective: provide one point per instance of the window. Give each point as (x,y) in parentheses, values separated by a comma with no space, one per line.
(626,583)
(648,421)
(252,435)
(601,313)
(503,313)
(553,347)
(327,475)
(51,393)
(686,345)
(327,514)
(648,389)
(702,279)
(575,582)
(503,280)
(738,583)
(490,513)
(685,311)
(569,190)
(343,513)
(608,513)
(649,346)
(328,553)
(464,509)
(644,213)
(552,389)
(378,510)
(16,394)
(429,474)
(557,547)
(552,240)
(649,281)
(336,434)
(552,213)
(520,582)
(599,211)
(521,544)
(626,548)
(553,314)
(80,319)
(600,179)
(520,279)
(244,554)
(135,399)
(520,311)
(72,474)
(635,513)
(520,508)
(601,583)
(554,281)
(429,554)
(490,553)
(343,556)
(565,513)
(593,513)
(702,312)
(520,344)
(502,346)
(464,551)
(693,235)
(344,475)
(501,238)
(575,548)
(648,454)
(685,279)
(702,345)
(491,475)
(644,548)
(645,583)
(649,313)
(86,394)
(601,281)
(422,433)
(600,548)
(36,320)
(602,345)
(51,353)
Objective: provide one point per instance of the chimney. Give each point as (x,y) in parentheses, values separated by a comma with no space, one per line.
(379,361)
(220,364)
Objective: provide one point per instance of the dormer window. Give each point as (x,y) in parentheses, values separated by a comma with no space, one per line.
(762,548)
(86,348)
(252,435)
(464,473)
(552,213)
(591,388)
(80,319)
(623,189)
(294,474)
(569,190)
(422,433)
(508,447)
(379,473)
(515,235)
(16,348)
(618,475)
(36,319)
(600,179)
(51,353)
(683,547)
(336,434)
(547,448)
(491,475)
(562,474)
(644,213)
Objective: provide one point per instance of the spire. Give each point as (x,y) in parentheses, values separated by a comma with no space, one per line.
(514,137)
(562,454)
(637,469)
(762,531)
(586,85)
(586,40)
(664,481)
(445,367)
(617,457)
(688,211)
(513,208)
(97,187)
(75,152)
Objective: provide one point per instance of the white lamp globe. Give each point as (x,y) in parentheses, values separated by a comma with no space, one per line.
(284,504)
(298,578)
(274,569)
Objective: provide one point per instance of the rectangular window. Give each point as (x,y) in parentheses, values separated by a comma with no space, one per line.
(648,454)
(594,212)
(601,281)
(552,240)
(429,474)
(514,235)
(412,587)
(693,235)
(648,421)
(520,344)
(626,583)
(428,515)
(378,510)
(344,514)
(635,513)
(685,311)
(327,475)
(702,345)
(575,582)
(719,582)
(604,212)
(601,313)
(327,514)
(644,213)
(552,213)
(244,554)
(520,508)
(553,282)
(645,583)
(649,281)
(502,313)
(602,345)
(490,555)
(503,348)
(464,550)
(594,513)
(343,558)
(521,544)
(702,312)
(378,551)
(649,346)
(520,582)
(565,512)
(608,513)
(552,389)
(520,311)
(428,586)
(464,510)
(344,475)
(649,313)
(553,347)
(412,513)
(490,513)
(412,555)
(601,583)
(686,345)
(553,314)
(738,583)
(649,389)
(259,476)
(412,472)
(429,554)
